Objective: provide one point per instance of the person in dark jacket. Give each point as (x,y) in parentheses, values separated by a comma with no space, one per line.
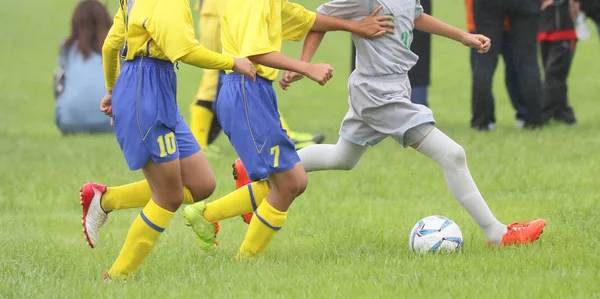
(511,77)
(557,39)
(420,74)
(524,17)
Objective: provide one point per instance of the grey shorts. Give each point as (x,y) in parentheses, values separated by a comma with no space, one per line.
(381,107)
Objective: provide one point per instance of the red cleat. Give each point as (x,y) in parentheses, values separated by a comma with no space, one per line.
(241,179)
(525,232)
(93,217)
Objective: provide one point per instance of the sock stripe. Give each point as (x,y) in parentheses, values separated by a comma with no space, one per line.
(150,224)
(252,200)
(275,228)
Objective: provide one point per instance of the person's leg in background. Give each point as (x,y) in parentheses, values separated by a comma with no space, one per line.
(488,17)
(524,25)
(557,57)
(511,80)
(419,75)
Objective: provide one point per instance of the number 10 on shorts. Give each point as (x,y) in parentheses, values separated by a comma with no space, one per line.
(167,144)
(275,154)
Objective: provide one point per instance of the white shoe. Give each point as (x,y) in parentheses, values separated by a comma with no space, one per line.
(93,217)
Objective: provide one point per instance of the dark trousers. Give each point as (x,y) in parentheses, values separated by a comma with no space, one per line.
(557,58)
(511,79)
(524,16)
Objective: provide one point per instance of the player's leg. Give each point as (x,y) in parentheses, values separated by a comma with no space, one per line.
(434,144)
(271,214)
(202,114)
(344,155)
(156,152)
(167,196)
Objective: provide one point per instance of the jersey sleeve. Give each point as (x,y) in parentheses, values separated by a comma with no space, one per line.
(343,9)
(116,35)
(296,21)
(249,30)
(171,27)
(418,9)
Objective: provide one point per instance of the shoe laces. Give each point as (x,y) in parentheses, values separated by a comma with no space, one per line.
(517,226)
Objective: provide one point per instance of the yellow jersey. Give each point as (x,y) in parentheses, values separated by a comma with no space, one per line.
(162,29)
(259,26)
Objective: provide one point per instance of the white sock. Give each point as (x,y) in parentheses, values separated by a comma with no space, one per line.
(451,157)
(343,155)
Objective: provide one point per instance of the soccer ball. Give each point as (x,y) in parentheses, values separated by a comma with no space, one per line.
(435,234)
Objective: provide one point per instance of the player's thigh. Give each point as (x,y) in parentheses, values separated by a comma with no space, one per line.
(165,182)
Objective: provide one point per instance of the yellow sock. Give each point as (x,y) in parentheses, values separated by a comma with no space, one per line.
(134,195)
(142,236)
(239,202)
(266,222)
(285,126)
(200,125)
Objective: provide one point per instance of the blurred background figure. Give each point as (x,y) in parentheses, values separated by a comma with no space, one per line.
(204,123)
(510,72)
(557,39)
(79,78)
(420,74)
(580,9)
(489,18)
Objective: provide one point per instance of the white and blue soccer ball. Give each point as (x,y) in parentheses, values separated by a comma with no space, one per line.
(435,234)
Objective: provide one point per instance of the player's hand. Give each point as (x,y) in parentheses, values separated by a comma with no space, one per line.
(477,41)
(245,67)
(106,106)
(375,26)
(320,73)
(288,78)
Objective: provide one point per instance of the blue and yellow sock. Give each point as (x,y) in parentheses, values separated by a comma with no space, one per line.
(239,202)
(141,238)
(266,222)
(134,195)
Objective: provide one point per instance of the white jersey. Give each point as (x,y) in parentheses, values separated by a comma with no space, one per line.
(389,54)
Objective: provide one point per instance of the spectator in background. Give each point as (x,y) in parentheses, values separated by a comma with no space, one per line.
(557,41)
(524,18)
(79,79)
(510,72)
(420,74)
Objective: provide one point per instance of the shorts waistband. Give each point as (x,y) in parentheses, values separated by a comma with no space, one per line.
(235,77)
(386,77)
(145,60)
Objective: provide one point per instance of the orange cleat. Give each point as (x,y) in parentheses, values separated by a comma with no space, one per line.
(241,179)
(525,232)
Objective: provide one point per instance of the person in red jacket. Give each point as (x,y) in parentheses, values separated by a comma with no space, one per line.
(557,39)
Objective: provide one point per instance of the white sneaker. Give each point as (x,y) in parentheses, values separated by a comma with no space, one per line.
(93,217)
(520,124)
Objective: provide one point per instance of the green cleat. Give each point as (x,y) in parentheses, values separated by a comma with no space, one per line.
(206,232)
(302,140)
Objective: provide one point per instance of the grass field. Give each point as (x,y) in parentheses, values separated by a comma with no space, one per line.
(347,236)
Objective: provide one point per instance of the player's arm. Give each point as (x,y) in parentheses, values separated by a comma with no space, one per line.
(311,44)
(370,27)
(110,50)
(171,27)
(429,24)
(320,73)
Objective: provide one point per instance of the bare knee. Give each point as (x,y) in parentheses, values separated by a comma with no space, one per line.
(300,184)
(202,188)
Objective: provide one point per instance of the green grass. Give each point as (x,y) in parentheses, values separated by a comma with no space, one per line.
(347,236)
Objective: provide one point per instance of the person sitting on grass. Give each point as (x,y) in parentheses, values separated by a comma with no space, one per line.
(79,78)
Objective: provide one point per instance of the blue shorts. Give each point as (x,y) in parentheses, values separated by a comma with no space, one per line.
(249,116)
(148,124)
